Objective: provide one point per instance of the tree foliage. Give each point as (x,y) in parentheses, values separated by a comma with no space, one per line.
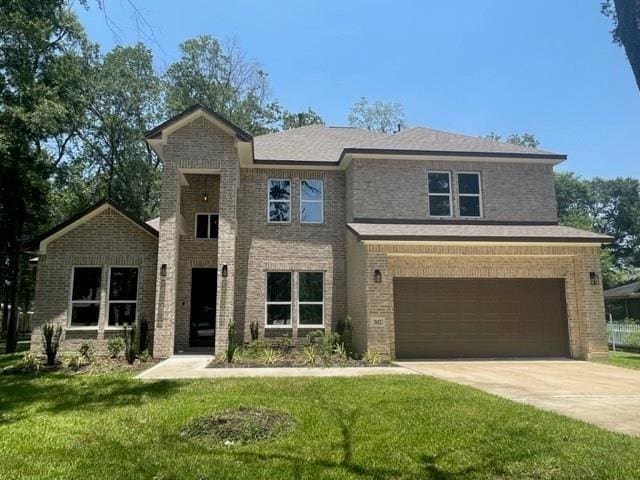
(525,139)
(385,117)
(626,29)
(294,120)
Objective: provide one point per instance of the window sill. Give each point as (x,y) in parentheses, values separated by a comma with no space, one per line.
(278,327)
(311,326)
(81,329)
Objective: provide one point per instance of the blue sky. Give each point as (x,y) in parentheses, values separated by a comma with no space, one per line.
(543,66)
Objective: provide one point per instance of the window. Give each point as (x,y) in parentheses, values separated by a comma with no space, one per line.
(278,303)
(85,296)
(469,201)
(123,296)
(311,201)
(310,299)
(206,225)
(279,204)
(439,191)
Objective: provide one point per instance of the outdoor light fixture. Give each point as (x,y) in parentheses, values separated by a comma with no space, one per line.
(163,270)
(205,197)
(224,271)
(593,277)
(377,276)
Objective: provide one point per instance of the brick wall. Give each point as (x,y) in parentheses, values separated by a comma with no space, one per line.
(106,240)
(397,189)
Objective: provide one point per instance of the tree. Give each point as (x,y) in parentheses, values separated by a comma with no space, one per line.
(385,117)
(525,139)
(221,77)
(43,58)
(112,159)
(626,29)
(294,120)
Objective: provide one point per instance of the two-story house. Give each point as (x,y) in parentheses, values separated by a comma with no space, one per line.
(436,244)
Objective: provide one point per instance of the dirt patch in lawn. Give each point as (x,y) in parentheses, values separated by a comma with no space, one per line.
(239,426)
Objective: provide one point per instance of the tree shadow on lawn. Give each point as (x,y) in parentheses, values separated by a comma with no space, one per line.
(59,393)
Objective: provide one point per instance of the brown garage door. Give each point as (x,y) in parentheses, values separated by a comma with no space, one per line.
(442,318)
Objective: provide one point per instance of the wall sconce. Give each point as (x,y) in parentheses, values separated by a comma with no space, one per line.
(224,271)
(205,197)
(593,278)
(377,276)
(163,270)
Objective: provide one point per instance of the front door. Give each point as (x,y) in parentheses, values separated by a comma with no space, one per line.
(203,307)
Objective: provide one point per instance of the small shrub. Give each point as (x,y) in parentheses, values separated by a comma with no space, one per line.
(51,336)
(255,331)
(30,362)
(87,352)
(633,339)
(285,344)
(144,356)
(344,328)
(256,348)
(340,352)
(325,341)
(74,360)
(232,344)
(372,358)
(115,346)
(310,355)
(130,344)
(143,335)
(270,356)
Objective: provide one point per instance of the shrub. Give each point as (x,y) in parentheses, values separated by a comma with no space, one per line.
(270,356)
(144,335)
(115,346)
(372,358)
(345,331)
(340,352)
(144,356)
(51,336)
(232,344)
(253,327)
(325,341)
(310,355)
(87,352)
(74,360)
(130,344)
(285,344)
(633,339)
(30,362)
(255,348)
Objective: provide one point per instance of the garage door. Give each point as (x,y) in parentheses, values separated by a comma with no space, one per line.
(443,318)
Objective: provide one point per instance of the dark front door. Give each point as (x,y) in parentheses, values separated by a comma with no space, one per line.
(203,307)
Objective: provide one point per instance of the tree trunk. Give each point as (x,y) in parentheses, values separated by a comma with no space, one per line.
(628,14)
(14,275)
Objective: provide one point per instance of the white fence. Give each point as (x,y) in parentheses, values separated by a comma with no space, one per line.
(624,335)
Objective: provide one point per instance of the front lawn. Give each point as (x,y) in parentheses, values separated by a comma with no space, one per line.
(60,426)
(623,359)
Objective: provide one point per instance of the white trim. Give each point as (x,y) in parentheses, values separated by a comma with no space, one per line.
(321,201)
(195,225)
(269,180)
(463,242)
(478,195)
(72,301)
(450,195)
(267,302)
(299,302)
(109,301)
(444,158)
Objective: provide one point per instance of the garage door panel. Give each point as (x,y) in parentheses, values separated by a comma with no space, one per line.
(480,318)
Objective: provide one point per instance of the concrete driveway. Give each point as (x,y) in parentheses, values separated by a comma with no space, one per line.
(600,394)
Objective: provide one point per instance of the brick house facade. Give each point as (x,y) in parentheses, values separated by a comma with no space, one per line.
(295,230)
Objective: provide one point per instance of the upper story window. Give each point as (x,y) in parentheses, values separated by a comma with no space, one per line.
(206,225)
(279,201)
(469,196)
(85,296)
(439,191)
(123,296)
(311,201)
(278,301)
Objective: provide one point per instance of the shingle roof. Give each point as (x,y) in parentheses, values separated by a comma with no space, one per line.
(630,290)
(474,232)
(319,143)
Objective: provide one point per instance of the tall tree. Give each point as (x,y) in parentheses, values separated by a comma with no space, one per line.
(626,29)
(221,77)
(302,119)
(525,139)
(385,117)
(43,58)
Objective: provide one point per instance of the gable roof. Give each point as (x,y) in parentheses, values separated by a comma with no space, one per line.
(630,290)
(40,243)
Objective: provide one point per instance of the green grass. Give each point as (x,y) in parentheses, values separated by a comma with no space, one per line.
(401,427)
(623,359)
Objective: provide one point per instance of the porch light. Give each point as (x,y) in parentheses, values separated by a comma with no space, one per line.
(163,270)
(205,197)
(377,276)
(593,278)
(224,271)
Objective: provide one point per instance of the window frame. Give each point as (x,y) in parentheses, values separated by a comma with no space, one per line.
(321,201)
(98,301)
(320,325)
(269,180)
(109,301)
(195,225)
(449,195)
(267,302)
(478,195)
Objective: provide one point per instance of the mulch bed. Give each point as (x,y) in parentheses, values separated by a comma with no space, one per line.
(293,358)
